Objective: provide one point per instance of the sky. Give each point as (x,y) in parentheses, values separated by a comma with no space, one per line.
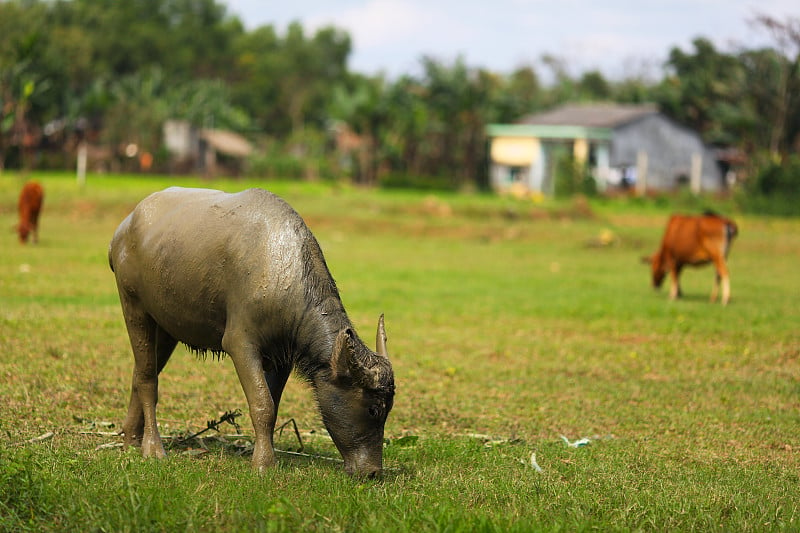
(620,38)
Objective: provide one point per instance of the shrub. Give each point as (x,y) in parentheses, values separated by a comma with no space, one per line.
(774,188)
(573,177)
(276,165)
(420,183)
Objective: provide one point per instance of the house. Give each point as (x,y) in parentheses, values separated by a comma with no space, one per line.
(623,146)
(208,151)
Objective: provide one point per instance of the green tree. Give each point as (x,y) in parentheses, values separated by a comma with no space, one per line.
(184,38)
(140,103)
(564,88)
(593,86)
(361,105)
(457,97)
(287,82)
(778,92)
(407,117)
(256,69)
(25,79)
(516,95)
(699,86)
(633,91)
(206,104)
(138,111)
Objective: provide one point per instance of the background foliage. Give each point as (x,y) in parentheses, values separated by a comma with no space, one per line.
(72,67)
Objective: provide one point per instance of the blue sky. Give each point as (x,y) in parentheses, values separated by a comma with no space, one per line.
(621,38)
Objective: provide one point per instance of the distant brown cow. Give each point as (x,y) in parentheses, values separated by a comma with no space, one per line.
(695,241)
(30,205)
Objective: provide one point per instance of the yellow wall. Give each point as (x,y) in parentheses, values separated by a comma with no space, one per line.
(515,151)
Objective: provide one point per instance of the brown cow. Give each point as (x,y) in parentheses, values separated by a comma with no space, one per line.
(30,205)
(695,241)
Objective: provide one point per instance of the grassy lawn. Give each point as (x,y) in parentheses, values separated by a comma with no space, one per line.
(509,325)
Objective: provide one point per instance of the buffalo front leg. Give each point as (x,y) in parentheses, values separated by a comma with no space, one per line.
(151,350)
(247,360)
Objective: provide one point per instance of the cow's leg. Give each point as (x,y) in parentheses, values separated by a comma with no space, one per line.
(675,287)
(247,360)
(152,347)
(715,287)
(726,290)
(722,279)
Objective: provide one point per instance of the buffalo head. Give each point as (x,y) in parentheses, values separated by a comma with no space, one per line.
(355,400)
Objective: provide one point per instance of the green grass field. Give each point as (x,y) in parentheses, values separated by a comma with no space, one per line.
(509,326)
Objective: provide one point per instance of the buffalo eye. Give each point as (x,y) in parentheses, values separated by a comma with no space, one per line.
(374,411)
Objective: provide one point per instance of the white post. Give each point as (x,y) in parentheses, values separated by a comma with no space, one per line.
(695,179)
(603,168)
(641,173)
(82,157)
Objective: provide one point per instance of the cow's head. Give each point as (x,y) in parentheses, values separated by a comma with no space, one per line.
(23,229)
(657,268)
(356,399)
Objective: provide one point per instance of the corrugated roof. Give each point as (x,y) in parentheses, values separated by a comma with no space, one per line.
(590,115)
(227,142)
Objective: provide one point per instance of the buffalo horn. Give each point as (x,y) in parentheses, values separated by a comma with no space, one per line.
(381,339)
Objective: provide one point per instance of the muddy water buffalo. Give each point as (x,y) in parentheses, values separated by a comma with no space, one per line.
(29,206)
(695,241)
(241,274)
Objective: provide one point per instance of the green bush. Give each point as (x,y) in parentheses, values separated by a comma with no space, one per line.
(573,177)
(305,156)
(276,165)
(420,183)
(774,189)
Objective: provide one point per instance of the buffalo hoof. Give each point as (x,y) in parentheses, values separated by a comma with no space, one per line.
(153,448)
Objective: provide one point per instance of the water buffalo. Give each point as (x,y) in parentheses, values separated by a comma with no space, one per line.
(241,274)
(30,205)
(695,241)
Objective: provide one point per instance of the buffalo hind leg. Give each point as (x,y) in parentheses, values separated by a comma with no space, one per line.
(152,347)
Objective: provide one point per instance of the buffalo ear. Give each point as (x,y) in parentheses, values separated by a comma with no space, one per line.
(366,376)
(347,361)
(340,357)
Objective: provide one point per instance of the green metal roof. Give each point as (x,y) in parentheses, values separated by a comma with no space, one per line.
(548,131)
